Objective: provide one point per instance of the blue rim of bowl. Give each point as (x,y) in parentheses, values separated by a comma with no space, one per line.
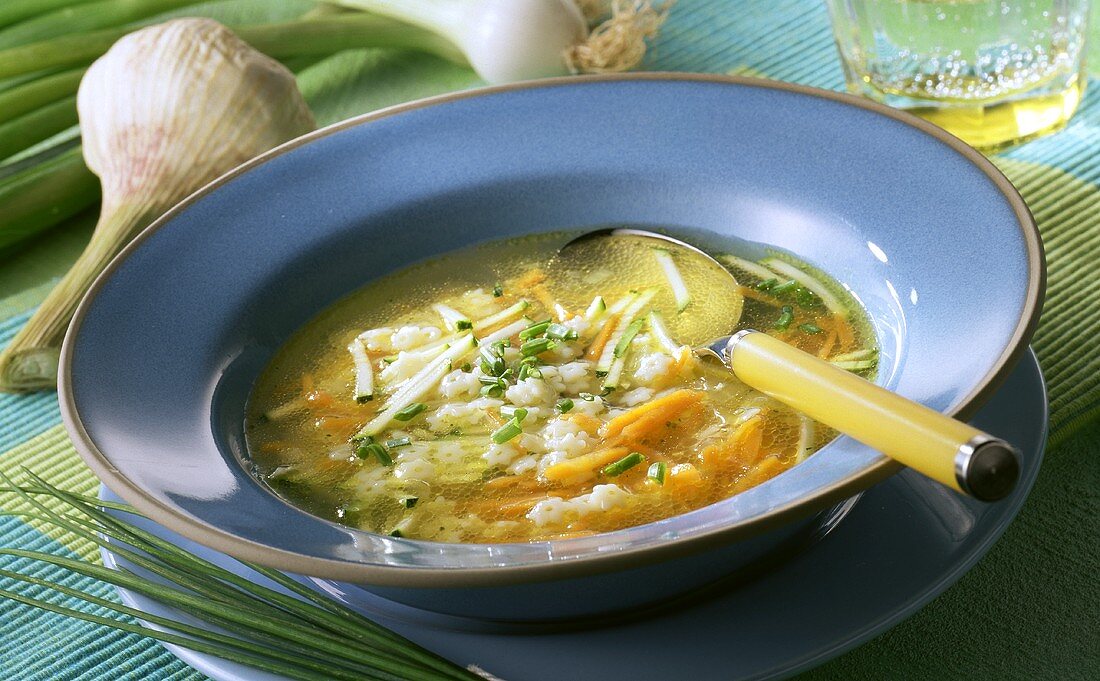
(588,562)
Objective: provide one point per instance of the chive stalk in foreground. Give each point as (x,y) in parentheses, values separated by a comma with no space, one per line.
(301,636)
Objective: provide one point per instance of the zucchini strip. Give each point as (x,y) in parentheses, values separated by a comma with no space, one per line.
(504,315)
(505,332)
(660,332)
(805,439)
(759,271)
(866,353)
(596,309)
(418,386)
(452,318)
(364,372)
(607,357)
(675,279)
(808,282)
(857,365)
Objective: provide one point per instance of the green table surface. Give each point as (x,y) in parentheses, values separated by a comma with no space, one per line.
(1029,610)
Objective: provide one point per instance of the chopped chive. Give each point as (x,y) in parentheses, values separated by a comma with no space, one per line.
(399,442)
(492,390)
(536,346)
(805,297)
(810,328)
(785,318)
(498,290)
(466,367)
(409,502)
(785,287)
(587,397)
(628,336)
(507,431)
(396,533)
(490,380)
(657,472)
(564,405)
(560,332)
(389,359)
(373,449)
(624,464)
(767,284)
(536,329)
(410,412)
(510,412)
(463,325)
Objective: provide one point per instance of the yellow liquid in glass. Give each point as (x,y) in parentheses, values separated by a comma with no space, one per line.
(992,72)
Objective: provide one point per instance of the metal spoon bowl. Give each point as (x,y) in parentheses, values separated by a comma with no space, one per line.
(949,451)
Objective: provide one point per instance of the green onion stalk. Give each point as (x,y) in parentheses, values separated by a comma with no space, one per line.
(297,633)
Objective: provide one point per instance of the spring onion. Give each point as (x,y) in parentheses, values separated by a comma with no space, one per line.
(368,450)
(534,330)
(786,316)
(509,430)
(498,290)
(565,405)
(452,318)
(623,465)
(786,287)
(767,284)
(511,40)
(675,279)
(152,76)
(657,472)
(536,346)
(364,372)
(410,412)
(810,328)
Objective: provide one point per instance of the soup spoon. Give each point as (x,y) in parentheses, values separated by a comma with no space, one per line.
(938,446)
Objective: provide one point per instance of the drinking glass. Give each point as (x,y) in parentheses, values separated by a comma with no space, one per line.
(992,72)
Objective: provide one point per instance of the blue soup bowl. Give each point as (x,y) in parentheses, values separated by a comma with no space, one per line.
(161,356)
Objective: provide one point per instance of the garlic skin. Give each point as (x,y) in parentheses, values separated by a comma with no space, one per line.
(171,107)
(166,110)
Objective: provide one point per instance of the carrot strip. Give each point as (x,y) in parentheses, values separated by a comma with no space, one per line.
(847,338)
(654,422)
(741,449)
(667,406)
(767,469)
(530,278)
(584,466)
(337,424)
(589,424)
(827,346)
(512,482)
(760,297)
(595,349)
(683,478)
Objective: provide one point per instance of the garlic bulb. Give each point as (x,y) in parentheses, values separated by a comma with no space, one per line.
(166,110)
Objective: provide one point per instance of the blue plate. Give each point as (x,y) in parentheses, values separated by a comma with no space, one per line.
(162,354)
(905,542)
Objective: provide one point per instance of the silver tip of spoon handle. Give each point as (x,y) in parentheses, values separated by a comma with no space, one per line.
(987,468)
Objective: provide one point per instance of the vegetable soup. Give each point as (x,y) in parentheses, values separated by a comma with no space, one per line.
(490,396)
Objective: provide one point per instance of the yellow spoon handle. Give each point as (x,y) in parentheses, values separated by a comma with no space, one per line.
(949,451)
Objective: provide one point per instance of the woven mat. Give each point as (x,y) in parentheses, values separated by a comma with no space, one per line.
(1028,610)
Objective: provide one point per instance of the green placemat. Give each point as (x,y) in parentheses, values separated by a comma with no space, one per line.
(1029,610)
